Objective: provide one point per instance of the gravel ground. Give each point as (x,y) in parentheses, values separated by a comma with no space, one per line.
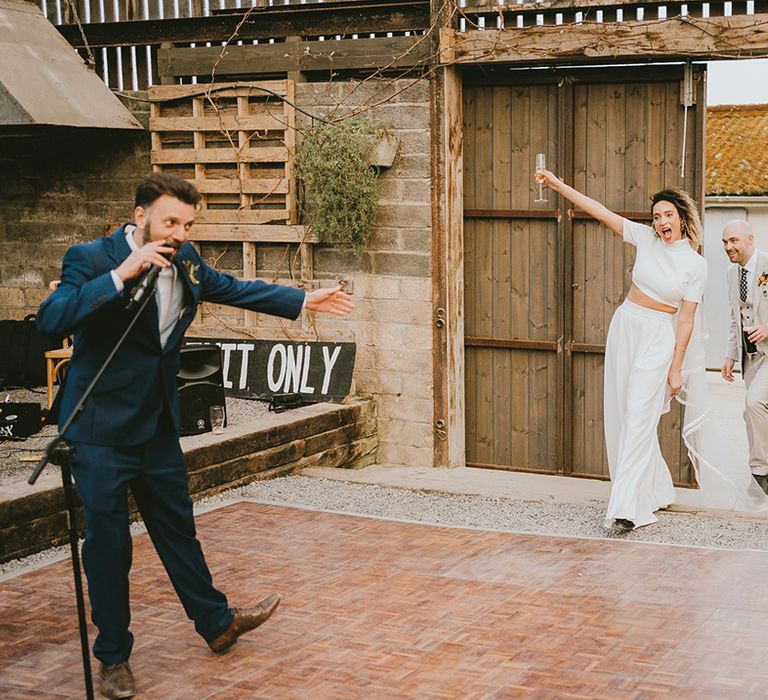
(450,510)
(466,511)
(505,514)
(14,469)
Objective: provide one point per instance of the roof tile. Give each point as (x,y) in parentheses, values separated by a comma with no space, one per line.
(737,150)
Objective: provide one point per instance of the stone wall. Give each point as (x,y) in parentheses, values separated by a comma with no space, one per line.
(60,186)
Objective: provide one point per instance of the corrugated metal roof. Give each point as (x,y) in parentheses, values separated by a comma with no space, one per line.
(737,150)
(44,81)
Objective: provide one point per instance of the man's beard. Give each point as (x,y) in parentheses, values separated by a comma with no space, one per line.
(145,231)
(146,236)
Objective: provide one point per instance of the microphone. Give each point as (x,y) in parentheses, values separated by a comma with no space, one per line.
(145,285)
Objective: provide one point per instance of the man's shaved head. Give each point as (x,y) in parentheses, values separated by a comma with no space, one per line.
(738,241)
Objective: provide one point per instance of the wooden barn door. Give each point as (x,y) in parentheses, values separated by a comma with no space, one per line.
(542,281)
(513,280)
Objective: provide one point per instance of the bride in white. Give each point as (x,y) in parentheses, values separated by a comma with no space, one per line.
(653,353)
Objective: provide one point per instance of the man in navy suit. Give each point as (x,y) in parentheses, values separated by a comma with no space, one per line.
(128,434)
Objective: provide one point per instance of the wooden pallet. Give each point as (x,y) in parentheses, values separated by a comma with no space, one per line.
(236,144)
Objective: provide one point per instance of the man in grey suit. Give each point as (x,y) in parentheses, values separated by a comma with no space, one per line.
(748,336)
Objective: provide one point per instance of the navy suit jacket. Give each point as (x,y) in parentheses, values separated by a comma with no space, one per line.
(126,404)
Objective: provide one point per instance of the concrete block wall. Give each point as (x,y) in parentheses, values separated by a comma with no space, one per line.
(392,321)
(60,186)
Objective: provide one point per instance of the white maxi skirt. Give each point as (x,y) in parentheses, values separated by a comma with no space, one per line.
(638,355)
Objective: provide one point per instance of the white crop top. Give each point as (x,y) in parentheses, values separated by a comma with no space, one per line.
(667,272)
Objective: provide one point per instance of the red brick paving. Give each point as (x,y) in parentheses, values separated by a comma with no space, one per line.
(382,609)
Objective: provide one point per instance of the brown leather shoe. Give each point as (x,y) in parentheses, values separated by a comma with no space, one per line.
(245,621)
(116,681)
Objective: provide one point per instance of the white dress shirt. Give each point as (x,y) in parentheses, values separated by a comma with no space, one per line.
(169,296)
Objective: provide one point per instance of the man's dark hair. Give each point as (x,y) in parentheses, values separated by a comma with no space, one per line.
(158,184)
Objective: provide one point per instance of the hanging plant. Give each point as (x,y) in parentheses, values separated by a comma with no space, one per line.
(340,185)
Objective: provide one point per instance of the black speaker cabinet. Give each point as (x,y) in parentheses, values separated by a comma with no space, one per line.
(201,385)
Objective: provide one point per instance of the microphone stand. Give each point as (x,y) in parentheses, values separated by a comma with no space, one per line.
(61,453)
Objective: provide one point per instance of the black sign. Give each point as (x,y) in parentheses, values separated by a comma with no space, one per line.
(258,369)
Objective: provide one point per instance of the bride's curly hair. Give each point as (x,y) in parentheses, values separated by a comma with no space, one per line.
(690,223)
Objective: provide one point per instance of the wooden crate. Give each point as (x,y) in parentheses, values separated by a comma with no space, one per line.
(236,144)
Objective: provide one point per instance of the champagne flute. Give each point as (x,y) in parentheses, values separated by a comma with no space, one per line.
(541,164)
(217,419)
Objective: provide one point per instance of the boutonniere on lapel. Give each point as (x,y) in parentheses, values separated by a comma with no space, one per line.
(763,279)
(191,270)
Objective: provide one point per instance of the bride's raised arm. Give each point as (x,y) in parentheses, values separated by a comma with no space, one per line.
(594,208)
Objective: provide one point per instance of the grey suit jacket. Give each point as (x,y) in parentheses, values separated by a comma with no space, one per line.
(758,292)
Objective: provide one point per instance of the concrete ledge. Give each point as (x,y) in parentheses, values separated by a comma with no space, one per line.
(33,518)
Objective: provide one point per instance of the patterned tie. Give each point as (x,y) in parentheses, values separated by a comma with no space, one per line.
(743,284)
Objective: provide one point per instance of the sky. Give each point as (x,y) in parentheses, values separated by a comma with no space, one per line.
(737,82)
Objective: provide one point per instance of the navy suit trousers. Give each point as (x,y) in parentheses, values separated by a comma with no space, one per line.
(156,474)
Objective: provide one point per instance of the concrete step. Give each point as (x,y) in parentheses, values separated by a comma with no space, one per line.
(33,518)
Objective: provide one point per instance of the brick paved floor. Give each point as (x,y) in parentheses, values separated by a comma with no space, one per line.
(382,609)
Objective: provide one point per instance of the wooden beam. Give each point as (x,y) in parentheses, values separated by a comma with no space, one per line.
(237,220)
(513,344)
(500,74)
(492,7)
(689,37)
(384,52)
(271,185)
(447,350)
(250,318)
(511,214)
(234,60)
(225,122)
(453,153)
(183,92)
(254,233)
(329,19)
(586,347)
(275,154)
(346,54)
(631,215)
(538,470)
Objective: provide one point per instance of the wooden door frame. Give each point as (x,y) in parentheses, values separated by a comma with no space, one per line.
(448,239)
(565,265)
(449,430)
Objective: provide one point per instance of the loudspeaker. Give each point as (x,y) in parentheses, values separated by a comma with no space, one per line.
(201,385)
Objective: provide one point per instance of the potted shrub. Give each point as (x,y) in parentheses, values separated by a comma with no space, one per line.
(337,165)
